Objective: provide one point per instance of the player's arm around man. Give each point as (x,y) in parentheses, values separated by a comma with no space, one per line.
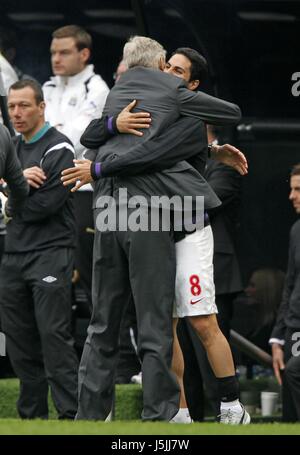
(164,153)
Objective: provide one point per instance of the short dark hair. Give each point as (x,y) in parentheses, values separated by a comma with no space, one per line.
(82,38)
(199,66)
(34,85)
(295,170)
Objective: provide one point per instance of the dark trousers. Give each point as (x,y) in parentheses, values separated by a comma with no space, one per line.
(84,250)
(35,305)
(291,378)
(129,363)
(2,242)
(192,379)
(141,264)
(197,370)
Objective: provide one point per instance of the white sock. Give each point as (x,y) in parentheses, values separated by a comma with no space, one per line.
(234,405)
(109,417)
(182,416)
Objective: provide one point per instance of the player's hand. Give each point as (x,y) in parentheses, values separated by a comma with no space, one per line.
(75,276)
(35,176)
(79,175)
(278,363)
(128,121)
(227,154)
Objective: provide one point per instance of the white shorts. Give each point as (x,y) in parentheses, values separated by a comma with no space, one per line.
(195,289)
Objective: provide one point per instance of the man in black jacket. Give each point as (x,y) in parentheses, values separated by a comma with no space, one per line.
(286,333)
(36,271)
(169,98)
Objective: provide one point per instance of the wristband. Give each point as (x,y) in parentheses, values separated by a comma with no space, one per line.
(96,170)
(110,125)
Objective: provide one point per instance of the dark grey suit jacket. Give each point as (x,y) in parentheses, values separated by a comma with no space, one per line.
(167,99)
(288,316)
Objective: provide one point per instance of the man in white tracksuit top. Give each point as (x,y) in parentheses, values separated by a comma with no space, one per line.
(74,97)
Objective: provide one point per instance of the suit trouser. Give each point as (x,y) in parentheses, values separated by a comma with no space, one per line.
(129,363)
(35,305)
(291,380)
(142,263)
(84,249)
(2,240)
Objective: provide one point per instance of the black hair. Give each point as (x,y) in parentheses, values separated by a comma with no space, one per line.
(199,66)
(34,85)
(295,170)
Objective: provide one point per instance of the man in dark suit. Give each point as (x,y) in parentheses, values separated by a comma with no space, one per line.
(286,333)
(152,282)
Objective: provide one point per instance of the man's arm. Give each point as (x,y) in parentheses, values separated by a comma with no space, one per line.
(277,339)
(278,361)
(279,329)
(175,144)
(149,156)
(129,122)
(161,153)
(96,133)
(13,175)
(102,129)
(207,108)
(192,104)
(51,195)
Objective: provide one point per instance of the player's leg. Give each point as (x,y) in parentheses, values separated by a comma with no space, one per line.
(195,293)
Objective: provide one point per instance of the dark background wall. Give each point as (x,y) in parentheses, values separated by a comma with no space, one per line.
(109,22)
(266,213)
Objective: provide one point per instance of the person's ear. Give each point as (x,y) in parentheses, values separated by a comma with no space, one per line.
(193,85)
(85,54)
(162,63)
(42,107)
